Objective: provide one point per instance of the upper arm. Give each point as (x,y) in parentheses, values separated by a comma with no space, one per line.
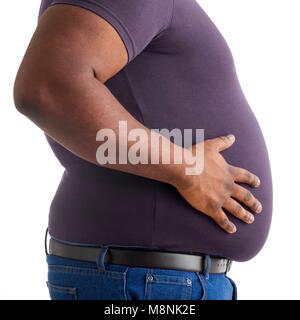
(70,41)
(78,39)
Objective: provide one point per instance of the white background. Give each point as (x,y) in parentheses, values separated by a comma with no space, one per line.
(265,43)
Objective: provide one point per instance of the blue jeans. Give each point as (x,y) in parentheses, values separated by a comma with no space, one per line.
(70,279)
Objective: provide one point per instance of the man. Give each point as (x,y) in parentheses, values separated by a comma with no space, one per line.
(133,230)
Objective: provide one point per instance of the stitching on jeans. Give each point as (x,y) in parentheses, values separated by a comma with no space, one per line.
(63,269)
(125,283)
(202,281)
(147,294)
(147,290)
(87,271)
(60,289)
(170,282)
(188,292)
(169,279)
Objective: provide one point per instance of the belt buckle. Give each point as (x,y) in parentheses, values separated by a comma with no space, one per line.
(228,267)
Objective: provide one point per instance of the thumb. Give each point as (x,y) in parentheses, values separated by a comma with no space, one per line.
(223,142)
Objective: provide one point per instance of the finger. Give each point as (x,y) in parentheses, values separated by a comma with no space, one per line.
(238,211)
(244,176)
(223,142)
(244,196)
(222,220)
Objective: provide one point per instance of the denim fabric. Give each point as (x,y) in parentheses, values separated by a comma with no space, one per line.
(70,279)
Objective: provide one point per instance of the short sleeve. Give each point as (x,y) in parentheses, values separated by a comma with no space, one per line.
(136,21)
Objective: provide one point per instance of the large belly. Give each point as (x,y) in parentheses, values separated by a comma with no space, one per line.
(219,112)
(96,205)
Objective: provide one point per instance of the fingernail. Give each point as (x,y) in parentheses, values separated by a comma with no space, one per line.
(231,137)
(257,183)
(233,228)
(259,208)
(251,218)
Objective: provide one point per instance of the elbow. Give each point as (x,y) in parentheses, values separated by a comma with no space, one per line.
(46,95)
(29,97)
(37,96)
(20,96)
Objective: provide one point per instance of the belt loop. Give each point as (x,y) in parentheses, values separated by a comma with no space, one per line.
(207,266)
(45,242)
(101,258)
(228,267)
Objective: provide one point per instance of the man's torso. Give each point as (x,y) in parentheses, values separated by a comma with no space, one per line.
(185,78)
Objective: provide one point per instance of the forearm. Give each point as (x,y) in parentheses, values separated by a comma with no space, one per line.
(72,115)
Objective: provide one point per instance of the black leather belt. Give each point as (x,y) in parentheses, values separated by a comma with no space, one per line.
(140,258)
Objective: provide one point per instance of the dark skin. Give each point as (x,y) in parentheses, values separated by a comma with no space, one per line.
(60,86)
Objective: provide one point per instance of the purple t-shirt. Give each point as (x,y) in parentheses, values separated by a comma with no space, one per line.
(180,74)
